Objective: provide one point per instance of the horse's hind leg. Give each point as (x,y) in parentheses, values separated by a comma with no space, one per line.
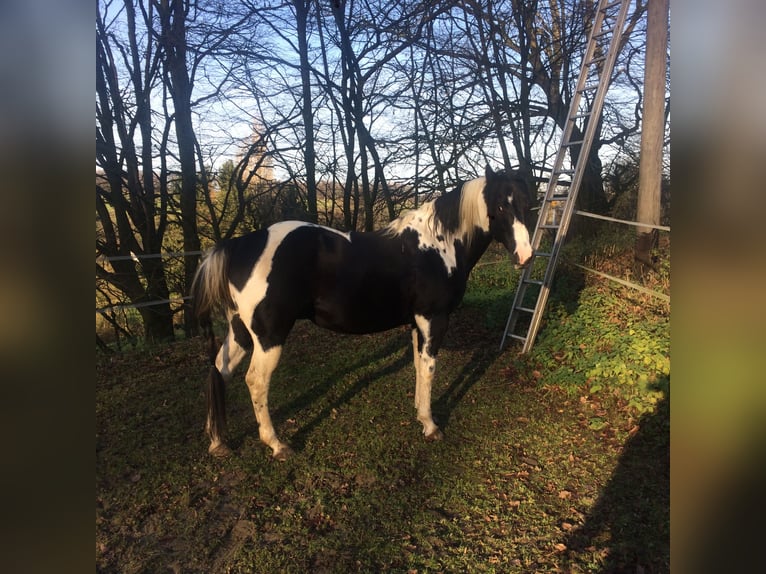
(258,377)
(231,353)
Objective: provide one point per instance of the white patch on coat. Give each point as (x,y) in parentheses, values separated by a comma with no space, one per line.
(473,207)
(432,235)
(229,355)
(425,367)
(258,378)
(257,284)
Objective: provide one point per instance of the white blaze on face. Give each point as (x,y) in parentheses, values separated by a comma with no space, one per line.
(521,237)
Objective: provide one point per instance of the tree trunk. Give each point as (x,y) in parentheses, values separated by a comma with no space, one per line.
(125,203)
(158,318)
(653,129)
(591,196)
(174,35)
(157,328)
(301,12)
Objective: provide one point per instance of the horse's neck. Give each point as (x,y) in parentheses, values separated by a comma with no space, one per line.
(476,248)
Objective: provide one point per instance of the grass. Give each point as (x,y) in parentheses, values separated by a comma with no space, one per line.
(523,482)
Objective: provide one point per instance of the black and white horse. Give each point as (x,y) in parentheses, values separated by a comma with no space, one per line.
(412,272)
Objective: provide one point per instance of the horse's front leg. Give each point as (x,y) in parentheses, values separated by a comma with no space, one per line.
(426,338)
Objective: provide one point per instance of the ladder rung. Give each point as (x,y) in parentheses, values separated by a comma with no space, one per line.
(544,253)
(547,226)
(579,116)
(611,5)
(525,309)
(588,87)
(521,338)
(533,281)
(602,33)
(576,142)
(596,60)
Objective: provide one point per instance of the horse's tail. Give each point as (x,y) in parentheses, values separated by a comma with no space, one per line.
(210,291)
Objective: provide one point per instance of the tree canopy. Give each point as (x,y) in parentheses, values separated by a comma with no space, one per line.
(214,116)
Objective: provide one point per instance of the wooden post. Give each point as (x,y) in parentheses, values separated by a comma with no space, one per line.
(653,128)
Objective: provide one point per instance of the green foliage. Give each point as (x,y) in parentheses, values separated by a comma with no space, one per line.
(610,343)
(489,286)
(597,337)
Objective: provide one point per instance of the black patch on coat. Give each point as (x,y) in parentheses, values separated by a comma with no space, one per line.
(447,209)
(243,253)
(241,334)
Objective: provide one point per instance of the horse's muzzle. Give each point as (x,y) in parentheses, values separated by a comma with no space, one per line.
(518,264)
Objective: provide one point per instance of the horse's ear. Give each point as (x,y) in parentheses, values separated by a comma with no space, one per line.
(488,171)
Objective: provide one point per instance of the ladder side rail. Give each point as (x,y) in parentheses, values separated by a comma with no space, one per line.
(513,316)
(566,216)
(592,119)
(568,129)
(590,129)
(574,105)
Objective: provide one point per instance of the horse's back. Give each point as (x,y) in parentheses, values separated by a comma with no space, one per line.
(348,282)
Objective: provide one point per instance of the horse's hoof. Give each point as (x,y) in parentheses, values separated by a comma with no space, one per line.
(283,453)
(220,451)
(435,436)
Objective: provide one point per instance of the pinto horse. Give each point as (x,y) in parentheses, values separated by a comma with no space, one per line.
(412,272)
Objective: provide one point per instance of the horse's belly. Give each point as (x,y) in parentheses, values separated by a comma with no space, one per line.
(355,315)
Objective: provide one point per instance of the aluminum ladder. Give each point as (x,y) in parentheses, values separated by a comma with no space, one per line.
(558,204)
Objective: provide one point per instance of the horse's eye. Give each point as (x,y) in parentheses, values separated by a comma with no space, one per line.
(501,208)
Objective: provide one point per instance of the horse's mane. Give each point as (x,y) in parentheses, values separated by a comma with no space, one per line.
(454,215)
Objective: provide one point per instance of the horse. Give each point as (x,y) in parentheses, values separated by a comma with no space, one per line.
(413,272)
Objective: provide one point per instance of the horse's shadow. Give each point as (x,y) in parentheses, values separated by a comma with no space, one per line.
(395,355)
(470,374)
(314,392)
(394,347)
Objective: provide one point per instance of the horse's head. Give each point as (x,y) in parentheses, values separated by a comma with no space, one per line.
(508,202)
